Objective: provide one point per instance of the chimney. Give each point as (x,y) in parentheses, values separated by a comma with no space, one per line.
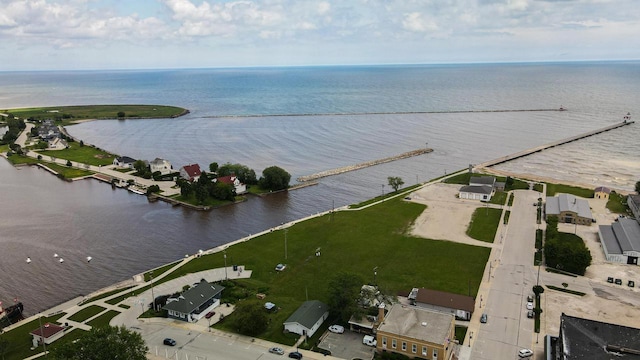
(380,313)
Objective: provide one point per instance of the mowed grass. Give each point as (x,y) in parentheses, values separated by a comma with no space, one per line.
(484,224)
(68,172)
(617,203)
(104,319)
(19,340)
(86,313)
(353,242)
(99,111)
(82,154)
(553,189)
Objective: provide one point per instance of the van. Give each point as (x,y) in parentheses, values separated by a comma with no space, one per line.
(369,340)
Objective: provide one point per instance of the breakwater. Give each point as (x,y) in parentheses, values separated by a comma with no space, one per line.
(540,148)
(383,113)
(345,169)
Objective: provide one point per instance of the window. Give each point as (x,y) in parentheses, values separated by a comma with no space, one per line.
(414,348)
(424,351)
(404,346)
(435,353)
(393,343)
(384,341)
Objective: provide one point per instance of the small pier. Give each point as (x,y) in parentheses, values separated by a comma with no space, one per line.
(345,169)
(540,148)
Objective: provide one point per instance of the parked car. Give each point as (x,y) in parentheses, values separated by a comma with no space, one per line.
(610,279)
(618,282)
(529,306)
(369,340)
(523,353)
(530,298)
(210,314)
(483,318)
(169,341)
(336,329)
(631,283)
(530,314)
(280,267)
(276,350)
(295,355)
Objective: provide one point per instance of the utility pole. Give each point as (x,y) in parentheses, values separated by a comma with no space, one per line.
(225,265)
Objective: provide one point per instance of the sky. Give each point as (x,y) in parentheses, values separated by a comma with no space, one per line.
(157,34)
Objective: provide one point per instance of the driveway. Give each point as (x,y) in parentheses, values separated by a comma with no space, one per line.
(346,346)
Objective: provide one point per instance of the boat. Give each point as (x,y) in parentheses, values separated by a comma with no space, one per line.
(11,314)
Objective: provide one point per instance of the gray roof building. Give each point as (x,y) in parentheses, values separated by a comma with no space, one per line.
(595,340)
(418,323)
(565,204)
(307,318)
(193,302)
(482,181)
(484,190)
(621,241)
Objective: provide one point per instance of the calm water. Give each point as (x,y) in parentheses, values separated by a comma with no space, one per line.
(126,235)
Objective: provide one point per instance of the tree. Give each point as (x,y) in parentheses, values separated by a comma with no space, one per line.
(222,191)
(140,166)
(395,182)
(121,114)
(153,189)
(242,172)
(638,187)
(274,178)
(213,167)
(344,291)
(69,163)
(4,346)
(106,343)
(250,318)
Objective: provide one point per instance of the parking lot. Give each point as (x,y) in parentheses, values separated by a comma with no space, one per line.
(347,345)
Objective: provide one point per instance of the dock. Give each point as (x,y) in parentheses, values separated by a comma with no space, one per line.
(363,165)
(540,148)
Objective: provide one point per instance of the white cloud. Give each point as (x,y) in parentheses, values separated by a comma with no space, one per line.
(416,22)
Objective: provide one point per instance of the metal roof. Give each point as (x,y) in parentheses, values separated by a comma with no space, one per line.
(308,313)
(567,202)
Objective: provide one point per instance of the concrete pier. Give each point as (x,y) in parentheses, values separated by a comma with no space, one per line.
(345,169)
(551,145)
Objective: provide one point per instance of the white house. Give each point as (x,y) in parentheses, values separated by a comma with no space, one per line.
(308,318)
(124,161)
(190,172)
(479,188)
(193,304)
(48,333)
(239,187)
(161,165)
(58,144)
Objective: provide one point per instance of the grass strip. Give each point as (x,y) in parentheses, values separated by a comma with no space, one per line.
(104,319)
(484,224)
(86,313)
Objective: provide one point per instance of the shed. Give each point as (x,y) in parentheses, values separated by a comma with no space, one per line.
(307,318)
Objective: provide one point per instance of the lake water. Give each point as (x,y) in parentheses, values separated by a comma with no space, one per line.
(126,235)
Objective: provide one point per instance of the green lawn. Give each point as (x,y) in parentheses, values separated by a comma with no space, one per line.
(506,217)
(461,333)
(98,112)
(67,172)
(107,294)
(82,154)
(499,198)
(19,159)
(553,189)
(19,340)
(484,224)
(385,196)
(511,197)
(86,313)
(617,203)
(103,320)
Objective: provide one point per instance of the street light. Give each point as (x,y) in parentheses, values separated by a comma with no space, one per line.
(382,189)
(375,274)
(225,264)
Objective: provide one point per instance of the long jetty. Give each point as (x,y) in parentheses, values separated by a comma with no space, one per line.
(540,148)
(345,169)
(383,113)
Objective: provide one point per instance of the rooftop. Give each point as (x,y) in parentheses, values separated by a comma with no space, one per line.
(595,340)
(568,202)
(418,323)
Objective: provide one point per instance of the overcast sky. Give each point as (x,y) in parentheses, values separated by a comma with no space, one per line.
(134,34)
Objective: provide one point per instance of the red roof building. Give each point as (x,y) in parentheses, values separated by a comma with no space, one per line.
(48,333)
(190,172)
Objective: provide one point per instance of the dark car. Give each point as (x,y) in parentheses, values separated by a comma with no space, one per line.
(618,282)
(610,280)
(169,341)
(210,314)
(483,318)
(530,314)
(295,355)
(631,283)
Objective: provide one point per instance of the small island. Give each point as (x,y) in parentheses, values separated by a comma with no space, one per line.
(73,114)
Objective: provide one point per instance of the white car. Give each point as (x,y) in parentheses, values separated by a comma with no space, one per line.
(529,306)
(336,329)
(280,267)
(523,353)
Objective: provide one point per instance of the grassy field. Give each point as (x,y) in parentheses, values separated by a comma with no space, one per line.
(19,160)
(484,224)
(103,320)
(82,154)
(499,198)
(67,172)
(553,189)
(86,313)
(617,203)
(98,112)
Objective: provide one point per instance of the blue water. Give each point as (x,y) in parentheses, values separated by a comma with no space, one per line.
(126,235)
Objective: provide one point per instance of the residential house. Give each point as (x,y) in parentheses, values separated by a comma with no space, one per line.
(601,192)
(460,306)
(160,165)
(239,187)
(47,333)
(124,161)
(416,332)
(581,338)
(48,130)
(479,188)
(57,144)
(621,241)
(569,209)
(190,172)
(195,303)
(307,318)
